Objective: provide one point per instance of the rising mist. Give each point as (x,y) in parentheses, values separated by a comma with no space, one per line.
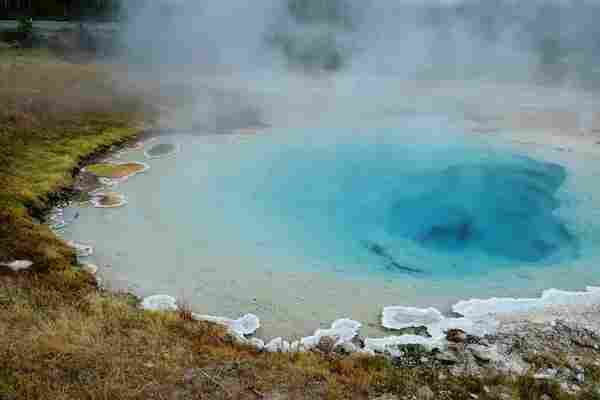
(303,43)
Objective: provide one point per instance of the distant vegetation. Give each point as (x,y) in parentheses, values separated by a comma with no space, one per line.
(563,37)
(309,35)
(63,9)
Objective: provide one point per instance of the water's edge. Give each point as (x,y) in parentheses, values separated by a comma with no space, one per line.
(478,316)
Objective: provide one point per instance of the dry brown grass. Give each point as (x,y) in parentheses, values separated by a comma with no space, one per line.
(90,344)
(61,338)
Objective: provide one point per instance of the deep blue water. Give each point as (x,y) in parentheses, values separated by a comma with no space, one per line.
(385,201)
(503,207)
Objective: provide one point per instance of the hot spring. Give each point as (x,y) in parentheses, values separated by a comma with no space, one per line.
(303,225)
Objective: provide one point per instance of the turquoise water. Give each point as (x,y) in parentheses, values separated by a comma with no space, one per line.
(301,226)
(382,203)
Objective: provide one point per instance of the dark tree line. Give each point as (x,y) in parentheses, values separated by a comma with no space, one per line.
(62,9)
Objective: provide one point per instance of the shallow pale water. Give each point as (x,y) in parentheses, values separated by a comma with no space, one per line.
(302,226)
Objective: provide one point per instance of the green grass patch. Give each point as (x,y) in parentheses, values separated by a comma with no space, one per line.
(53,115)
(115,171)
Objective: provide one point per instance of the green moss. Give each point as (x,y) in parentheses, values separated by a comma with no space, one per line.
(546,360)
(108,170)
(592,373)
(589,394)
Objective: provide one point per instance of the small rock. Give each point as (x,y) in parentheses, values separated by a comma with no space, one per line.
(483,353)
(245,325)
(446,357)
(18,265)
(358,341)
(91,269)
(456,335)
(586,342)
(456,347)
(573,363)
(399,317)
(545,397)
(237,337)
(159,302)
(256,342)
(346,348)
(188,376)
(569,388)
(425,393)
(512,365)
(106,181)
(81,249)
(387,396)
(367,352)
(326,344)
(295,346)
(275,396)
(277,345)
(545,374)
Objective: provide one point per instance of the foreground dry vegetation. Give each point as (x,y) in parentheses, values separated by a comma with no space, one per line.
(61,337)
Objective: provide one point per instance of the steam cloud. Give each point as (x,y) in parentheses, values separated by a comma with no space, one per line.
(552,42)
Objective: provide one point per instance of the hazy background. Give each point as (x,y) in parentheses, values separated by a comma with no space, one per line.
(228,52)
(451,37)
